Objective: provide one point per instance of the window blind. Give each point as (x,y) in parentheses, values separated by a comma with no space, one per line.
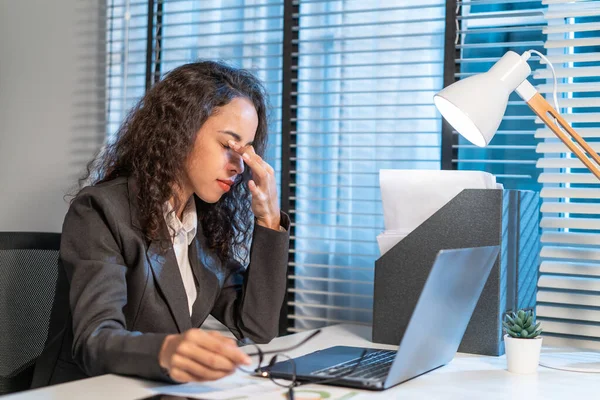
(487,29)
(87,70)
(147,39)
(126,55)
(569,285)
(365,76)
(246,34)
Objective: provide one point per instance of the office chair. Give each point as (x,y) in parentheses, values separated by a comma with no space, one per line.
(29,276)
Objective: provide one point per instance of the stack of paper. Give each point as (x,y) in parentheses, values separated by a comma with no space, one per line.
(411,196)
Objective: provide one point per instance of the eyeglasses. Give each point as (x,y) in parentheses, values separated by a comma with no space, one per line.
(264,371)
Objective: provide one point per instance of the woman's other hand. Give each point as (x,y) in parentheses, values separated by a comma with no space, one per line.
(197,355)
(262,187)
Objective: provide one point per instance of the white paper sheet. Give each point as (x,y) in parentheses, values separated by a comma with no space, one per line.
(225,388)
(243,387)
(309,392)
(411,196)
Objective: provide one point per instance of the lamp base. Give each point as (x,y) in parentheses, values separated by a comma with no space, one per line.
(571,360)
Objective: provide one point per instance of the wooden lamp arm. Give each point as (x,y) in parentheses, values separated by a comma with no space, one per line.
(551,117)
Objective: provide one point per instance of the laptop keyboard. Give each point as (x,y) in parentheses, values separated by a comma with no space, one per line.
(374,366)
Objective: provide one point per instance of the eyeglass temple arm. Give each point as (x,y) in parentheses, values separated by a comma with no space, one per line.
(551,118)
(306,339)
(349,372)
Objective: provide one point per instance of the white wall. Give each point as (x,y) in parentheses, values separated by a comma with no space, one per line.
(52,100)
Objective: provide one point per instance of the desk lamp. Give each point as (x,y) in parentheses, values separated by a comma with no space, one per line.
(474,106)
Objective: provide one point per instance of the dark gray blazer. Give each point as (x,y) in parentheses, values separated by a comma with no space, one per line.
(126,295)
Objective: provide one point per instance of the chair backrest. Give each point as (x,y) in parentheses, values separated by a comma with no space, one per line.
(28,279)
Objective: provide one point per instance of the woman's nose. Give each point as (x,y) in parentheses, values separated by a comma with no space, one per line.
(237,163)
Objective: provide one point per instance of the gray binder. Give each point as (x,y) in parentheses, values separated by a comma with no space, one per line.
(474,218)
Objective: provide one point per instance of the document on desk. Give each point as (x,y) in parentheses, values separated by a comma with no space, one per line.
(242,387)
(223,389)
(309,392)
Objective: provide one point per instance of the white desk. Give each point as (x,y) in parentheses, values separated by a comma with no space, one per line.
(466,377)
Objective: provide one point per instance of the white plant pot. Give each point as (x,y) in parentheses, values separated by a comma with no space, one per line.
(522,355)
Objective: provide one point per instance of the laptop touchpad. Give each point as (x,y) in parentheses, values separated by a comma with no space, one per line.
(309,363)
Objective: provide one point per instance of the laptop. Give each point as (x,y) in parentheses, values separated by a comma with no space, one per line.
(430,340)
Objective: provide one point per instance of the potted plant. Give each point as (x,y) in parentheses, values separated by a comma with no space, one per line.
(522,341)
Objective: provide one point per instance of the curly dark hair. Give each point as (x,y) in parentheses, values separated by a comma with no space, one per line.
(156,137)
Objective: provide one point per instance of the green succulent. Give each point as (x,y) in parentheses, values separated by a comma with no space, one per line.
(521,324)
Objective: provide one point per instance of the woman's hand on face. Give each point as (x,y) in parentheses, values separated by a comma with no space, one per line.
(262,187)
(197,355)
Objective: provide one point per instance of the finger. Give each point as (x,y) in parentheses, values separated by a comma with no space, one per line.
(226,340)
(244,149)
(183,375)
(259,167)
(241,149)
(252,187)
(253,160)
(255,192)
(249,150)
(211,343)
(200,369)
(260,160)
(268,168)
(205,357)
(264,164)
(236,146)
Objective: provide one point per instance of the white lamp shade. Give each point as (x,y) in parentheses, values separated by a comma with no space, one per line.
(475,106)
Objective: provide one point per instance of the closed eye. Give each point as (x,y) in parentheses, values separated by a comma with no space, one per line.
(225,146)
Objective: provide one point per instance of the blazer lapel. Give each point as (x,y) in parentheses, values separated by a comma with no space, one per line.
(208,273)
(164,266)
(166,273)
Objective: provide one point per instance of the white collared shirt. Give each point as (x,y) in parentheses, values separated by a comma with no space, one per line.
(185,231)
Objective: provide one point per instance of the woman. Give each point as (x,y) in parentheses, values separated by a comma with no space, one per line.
(154,245)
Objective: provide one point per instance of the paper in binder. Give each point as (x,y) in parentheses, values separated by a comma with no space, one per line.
(411,196)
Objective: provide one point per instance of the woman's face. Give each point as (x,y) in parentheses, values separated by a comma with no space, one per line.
(212,166)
